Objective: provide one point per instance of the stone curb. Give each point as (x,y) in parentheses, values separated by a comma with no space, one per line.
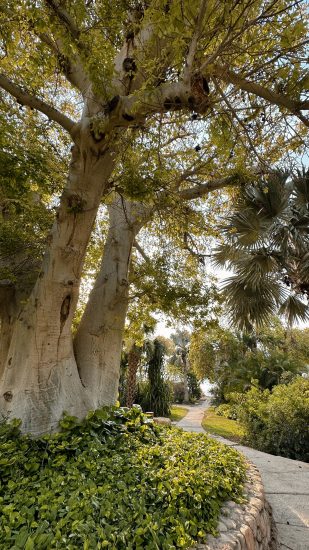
(247,526)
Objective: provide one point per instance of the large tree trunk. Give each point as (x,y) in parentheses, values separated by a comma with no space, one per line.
(40,378)
(7,319)
(98,341)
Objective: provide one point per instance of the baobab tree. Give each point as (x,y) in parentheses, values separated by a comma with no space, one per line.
(104,71)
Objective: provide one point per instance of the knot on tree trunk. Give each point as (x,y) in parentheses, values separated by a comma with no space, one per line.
(8,396)
(64,311)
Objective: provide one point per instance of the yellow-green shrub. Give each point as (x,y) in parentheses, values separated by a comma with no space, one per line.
(277,422)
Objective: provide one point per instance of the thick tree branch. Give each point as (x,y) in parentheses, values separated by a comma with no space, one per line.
(194,41)
(33,102)
(141,251)
(204,188)
(72,69)
(132,110)
(192,193)
(252,87)
(65,19)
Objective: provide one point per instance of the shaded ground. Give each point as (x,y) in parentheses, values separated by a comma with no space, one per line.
(286,484)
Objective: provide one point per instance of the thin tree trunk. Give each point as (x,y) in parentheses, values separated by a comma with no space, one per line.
(134,357)
(186,388)
(185,377)
(98,341)
(40,378)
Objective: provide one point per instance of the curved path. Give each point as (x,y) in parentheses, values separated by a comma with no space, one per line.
(286,484)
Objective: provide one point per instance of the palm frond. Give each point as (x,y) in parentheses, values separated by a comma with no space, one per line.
(252,304)
(226,255)
(270,195)
(294,309)
(247,226)
(280,237)
(301,185)
(304,267)
(267,244)
(253,268)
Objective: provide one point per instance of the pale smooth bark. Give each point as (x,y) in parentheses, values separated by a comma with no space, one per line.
(40,378)
(98,341)
(7,318)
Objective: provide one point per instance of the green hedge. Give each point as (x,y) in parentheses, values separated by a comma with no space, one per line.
(228,410)
(277,422)
(113,481)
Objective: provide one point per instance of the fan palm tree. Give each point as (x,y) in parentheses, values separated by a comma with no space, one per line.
(266,244)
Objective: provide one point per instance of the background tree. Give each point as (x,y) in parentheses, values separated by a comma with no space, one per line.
(180,358)
(235,361)
(158,393)
(134,357)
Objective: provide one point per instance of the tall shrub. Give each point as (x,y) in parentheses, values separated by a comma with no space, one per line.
(158,394)
(277,422)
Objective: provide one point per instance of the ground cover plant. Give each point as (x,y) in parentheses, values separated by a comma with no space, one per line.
(114,480)
(217,424)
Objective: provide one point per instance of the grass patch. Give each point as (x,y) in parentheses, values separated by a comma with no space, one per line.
(114,481)
(219,425)
(177,413)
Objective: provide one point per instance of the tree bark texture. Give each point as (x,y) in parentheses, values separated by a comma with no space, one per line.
(98,341)
(40,379)
(7,318)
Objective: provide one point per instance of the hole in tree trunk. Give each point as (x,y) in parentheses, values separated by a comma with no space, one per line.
(64,311)
(8,396)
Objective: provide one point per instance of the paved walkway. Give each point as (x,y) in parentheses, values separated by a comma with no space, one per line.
(286,484)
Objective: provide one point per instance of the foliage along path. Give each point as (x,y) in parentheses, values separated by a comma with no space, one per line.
(286,484)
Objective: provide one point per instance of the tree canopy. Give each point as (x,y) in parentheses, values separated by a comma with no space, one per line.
(165,105)
(236,360)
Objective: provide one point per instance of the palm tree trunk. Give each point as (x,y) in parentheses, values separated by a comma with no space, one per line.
(134,358)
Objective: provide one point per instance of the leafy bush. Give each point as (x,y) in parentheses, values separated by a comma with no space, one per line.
(228,411)
(155,399)
(114,480)
(277,422)
(195,391)
(217,394)
(158,390)
(287,377)
(178,389)
(178,392)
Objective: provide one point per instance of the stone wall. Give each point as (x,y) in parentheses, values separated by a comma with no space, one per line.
(248,526)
